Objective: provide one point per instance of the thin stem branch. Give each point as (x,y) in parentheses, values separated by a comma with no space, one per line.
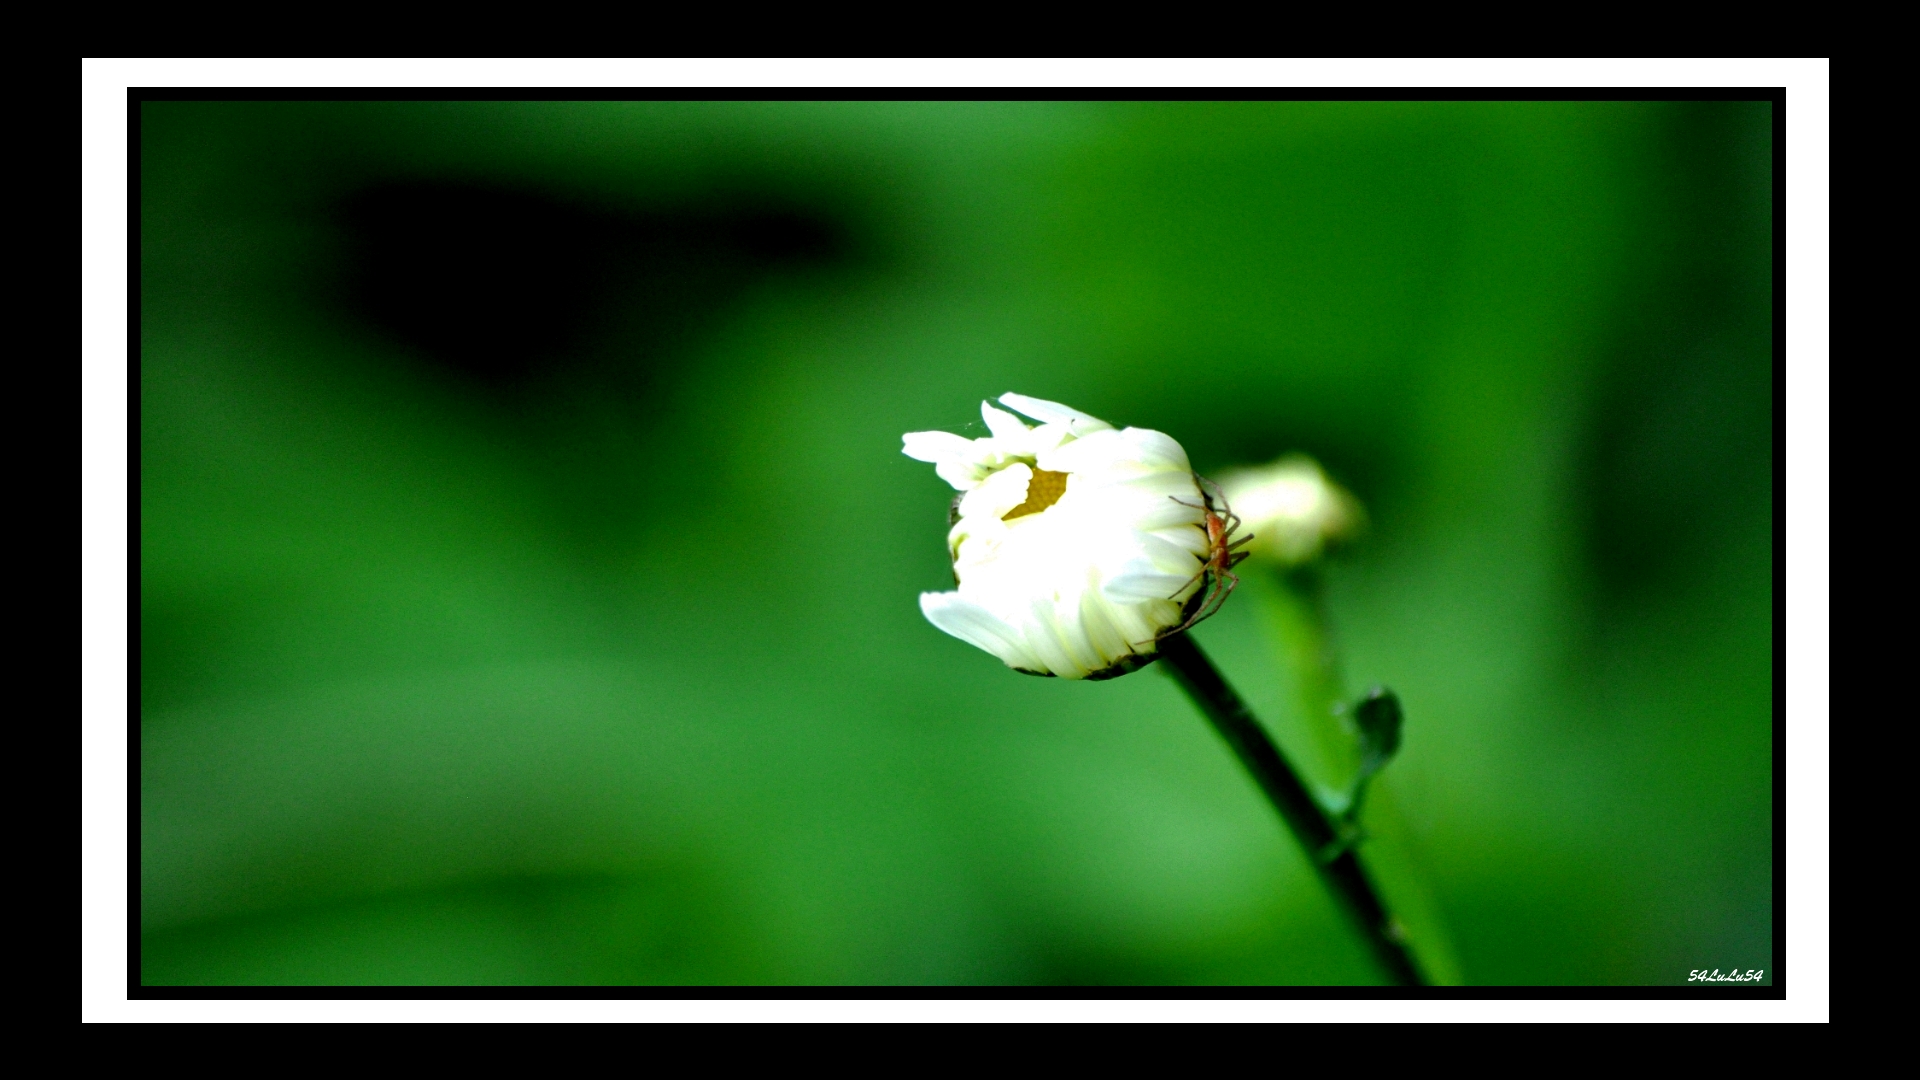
(1277,777)
(1297,608)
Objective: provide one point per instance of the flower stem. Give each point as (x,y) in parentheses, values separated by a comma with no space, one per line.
(1298,610)
(1277,777)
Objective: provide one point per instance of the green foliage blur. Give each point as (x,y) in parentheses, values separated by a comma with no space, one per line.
(528,565)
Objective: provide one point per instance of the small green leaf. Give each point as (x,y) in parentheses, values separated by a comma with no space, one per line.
(1379,718)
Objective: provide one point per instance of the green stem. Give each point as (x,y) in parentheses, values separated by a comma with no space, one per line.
(1276,776)
(1300,618)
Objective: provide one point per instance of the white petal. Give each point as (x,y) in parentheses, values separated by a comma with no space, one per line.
(936,446)
(1141,623)
(1047,437)
(964,475)
(1046,639)
(1169,556)
(1005,426)
(999,493)
(1175,483)
(1142,581)
(1048,412)
(1156,450)
(976,626)
(1152,515)
(1185,537)
(1102,622)
(1095,452)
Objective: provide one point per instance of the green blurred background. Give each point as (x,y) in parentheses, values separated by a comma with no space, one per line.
(528,564)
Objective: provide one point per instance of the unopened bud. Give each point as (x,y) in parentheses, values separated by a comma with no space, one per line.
(1292,509)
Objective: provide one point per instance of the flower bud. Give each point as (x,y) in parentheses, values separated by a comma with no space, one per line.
(1292,509)
(1075,546)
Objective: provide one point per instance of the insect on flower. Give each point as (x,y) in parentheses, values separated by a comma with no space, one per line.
(1221,558)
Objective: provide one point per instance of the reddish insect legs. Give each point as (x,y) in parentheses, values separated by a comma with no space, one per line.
(1221,558)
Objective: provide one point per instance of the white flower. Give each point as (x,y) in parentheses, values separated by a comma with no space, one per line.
(1075,546)
(1291,508)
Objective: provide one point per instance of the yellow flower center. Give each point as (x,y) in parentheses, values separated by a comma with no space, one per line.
(1043,491)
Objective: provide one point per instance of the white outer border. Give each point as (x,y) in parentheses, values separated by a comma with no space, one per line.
(104,480)
(961,74)
(1806,599)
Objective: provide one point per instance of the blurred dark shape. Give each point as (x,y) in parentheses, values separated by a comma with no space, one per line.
(573,316)
(1682,449)
(500,285)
